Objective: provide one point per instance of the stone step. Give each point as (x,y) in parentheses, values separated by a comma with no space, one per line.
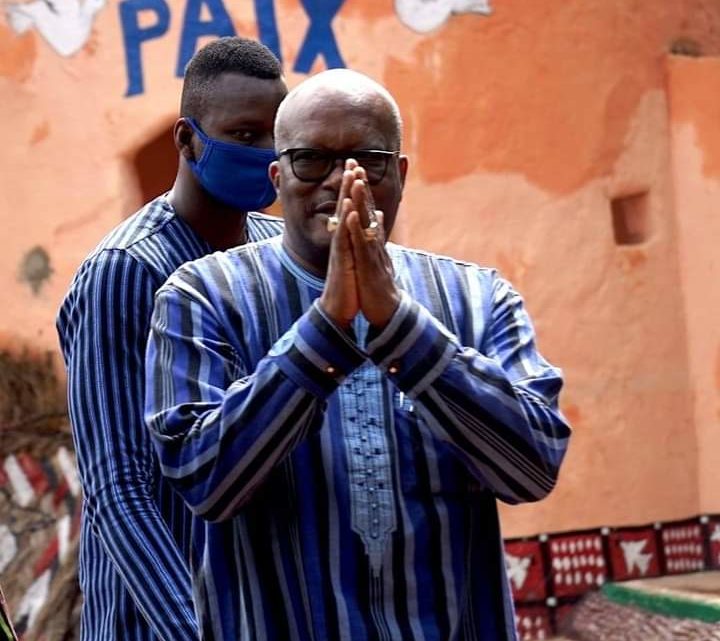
(687,596)
(672,608)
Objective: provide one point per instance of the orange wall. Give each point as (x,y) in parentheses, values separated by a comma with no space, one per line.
(521,126)
(694,87)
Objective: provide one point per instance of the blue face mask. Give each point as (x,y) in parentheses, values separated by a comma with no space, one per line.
(235,174)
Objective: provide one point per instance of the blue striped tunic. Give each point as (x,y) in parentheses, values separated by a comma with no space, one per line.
(349,481)
(135,530)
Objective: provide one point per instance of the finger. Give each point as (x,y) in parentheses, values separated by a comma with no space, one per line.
(365,242)
(339,296)
(346,206)
(380,220)
(368,244)
(368,211)
(345,184)
(363,203)
(357,237)
(370,203)
(361,174)
(372,267)
(341,232)
(357,193)
(341,255)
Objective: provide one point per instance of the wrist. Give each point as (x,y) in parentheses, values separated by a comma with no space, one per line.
(334,313)
(385,312)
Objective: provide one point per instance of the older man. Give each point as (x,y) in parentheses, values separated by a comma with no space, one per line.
(343,412)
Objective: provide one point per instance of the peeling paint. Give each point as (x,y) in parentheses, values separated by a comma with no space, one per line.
(527,86)
(17,54)
(697,81)
(632,259)
(41,132)
(573,414)
(73,224)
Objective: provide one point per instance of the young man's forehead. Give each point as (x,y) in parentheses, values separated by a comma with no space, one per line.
(243,97)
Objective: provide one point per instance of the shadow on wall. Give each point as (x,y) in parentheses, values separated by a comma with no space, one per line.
(154,165)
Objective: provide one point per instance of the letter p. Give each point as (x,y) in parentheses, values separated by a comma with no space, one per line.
(134,35)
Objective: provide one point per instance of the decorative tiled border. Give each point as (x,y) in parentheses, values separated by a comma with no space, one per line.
(40,500)
(549,573)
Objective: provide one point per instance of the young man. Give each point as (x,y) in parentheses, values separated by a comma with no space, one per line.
(344,412)
(135,530)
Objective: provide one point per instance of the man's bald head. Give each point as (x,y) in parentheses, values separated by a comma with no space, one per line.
(345,89)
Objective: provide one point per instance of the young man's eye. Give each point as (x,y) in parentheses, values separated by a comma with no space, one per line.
(245,136)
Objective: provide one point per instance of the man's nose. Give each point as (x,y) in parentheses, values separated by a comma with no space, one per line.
(334,178)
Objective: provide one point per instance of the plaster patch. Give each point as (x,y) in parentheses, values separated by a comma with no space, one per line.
(694,89)
(512,267)
(17,54)
(631,259)
(572,414)
(542,107)
(41,132)
(35,268)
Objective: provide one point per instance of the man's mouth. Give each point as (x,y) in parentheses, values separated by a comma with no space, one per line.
(326,207)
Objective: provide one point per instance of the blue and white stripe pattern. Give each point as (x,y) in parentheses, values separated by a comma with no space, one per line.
(349,482)
(135,532)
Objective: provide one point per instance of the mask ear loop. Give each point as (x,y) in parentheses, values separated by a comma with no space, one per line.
(204,139)
(196,128)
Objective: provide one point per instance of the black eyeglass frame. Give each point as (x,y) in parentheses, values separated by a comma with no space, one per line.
(334,156)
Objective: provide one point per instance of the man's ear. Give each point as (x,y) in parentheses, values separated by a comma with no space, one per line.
(403,168)
(182,135)
(274,173)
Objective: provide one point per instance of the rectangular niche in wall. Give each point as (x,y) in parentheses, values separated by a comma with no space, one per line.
(630,219)
(154,163)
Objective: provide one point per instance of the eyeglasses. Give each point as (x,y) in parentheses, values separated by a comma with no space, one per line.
(315,165)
